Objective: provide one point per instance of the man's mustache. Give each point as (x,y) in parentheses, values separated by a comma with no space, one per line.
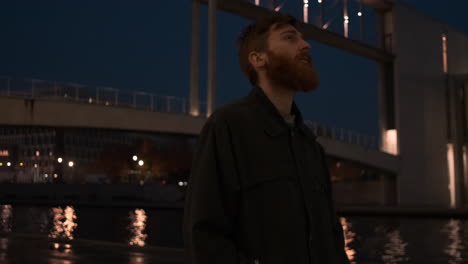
(305,56)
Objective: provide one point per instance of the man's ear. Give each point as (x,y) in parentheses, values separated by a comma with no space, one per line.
(257,59)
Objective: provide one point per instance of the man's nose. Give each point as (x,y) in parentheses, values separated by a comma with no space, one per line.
(305,45)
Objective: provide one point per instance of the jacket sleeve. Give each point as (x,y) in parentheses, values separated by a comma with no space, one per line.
(339,236)
(211,204)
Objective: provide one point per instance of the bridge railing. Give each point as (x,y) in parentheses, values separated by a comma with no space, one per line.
(112,97)
(343,135)
(97,95)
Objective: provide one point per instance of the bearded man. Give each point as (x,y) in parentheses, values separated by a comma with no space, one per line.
(259,190)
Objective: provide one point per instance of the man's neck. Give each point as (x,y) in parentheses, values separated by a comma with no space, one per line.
(281,97)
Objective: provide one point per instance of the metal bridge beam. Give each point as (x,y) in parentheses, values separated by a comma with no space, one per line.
(311,32)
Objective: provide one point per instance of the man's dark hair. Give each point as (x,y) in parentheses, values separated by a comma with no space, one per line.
(254,37)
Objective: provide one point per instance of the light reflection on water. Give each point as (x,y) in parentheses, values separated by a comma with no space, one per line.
(137,227)
(3,250)
(137,258)
(395,249)
(382,240)
(5,218)
(63,222)
(455,246)
(348,237)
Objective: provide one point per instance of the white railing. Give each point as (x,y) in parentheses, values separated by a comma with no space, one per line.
(343,135)
(98,95)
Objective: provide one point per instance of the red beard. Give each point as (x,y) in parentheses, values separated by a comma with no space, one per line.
(294,74)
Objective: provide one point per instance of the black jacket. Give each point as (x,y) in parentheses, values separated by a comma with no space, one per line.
(259,191)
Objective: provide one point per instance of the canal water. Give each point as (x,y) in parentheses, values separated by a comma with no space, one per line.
(368,239)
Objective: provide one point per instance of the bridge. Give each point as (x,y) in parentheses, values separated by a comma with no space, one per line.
(41,103)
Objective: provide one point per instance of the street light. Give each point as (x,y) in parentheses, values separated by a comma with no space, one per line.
(70,164)
(135,158)
(59,160)
(140,163)
(8,164)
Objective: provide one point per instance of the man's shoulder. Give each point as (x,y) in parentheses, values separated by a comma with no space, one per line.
(231,112)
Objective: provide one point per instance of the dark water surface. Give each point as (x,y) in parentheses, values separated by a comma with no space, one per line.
(73,234)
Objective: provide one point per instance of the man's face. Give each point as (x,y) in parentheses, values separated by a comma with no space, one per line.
(288,61)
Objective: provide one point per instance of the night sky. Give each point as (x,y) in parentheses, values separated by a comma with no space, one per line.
(145,46)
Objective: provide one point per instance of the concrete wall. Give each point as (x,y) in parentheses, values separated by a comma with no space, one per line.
(362,155)
(15,111)
(457,46)
(420,109)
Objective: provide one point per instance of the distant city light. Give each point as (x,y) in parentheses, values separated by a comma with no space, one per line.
(90,100)
(257,2)
(185,183)
(135,157)
(55,175)
(346,17)
(319,1)
(140,163)
(163,181)
(181,184)
(59,160)
(4,153)
(444,53)
(306,11)
(50,153)
(46,175)
(359,13)
(8,164)
(1,164)
(37,153)
(21,163)
(70,164)
(35,165)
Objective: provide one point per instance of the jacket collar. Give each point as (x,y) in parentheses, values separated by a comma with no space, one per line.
(275,124)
